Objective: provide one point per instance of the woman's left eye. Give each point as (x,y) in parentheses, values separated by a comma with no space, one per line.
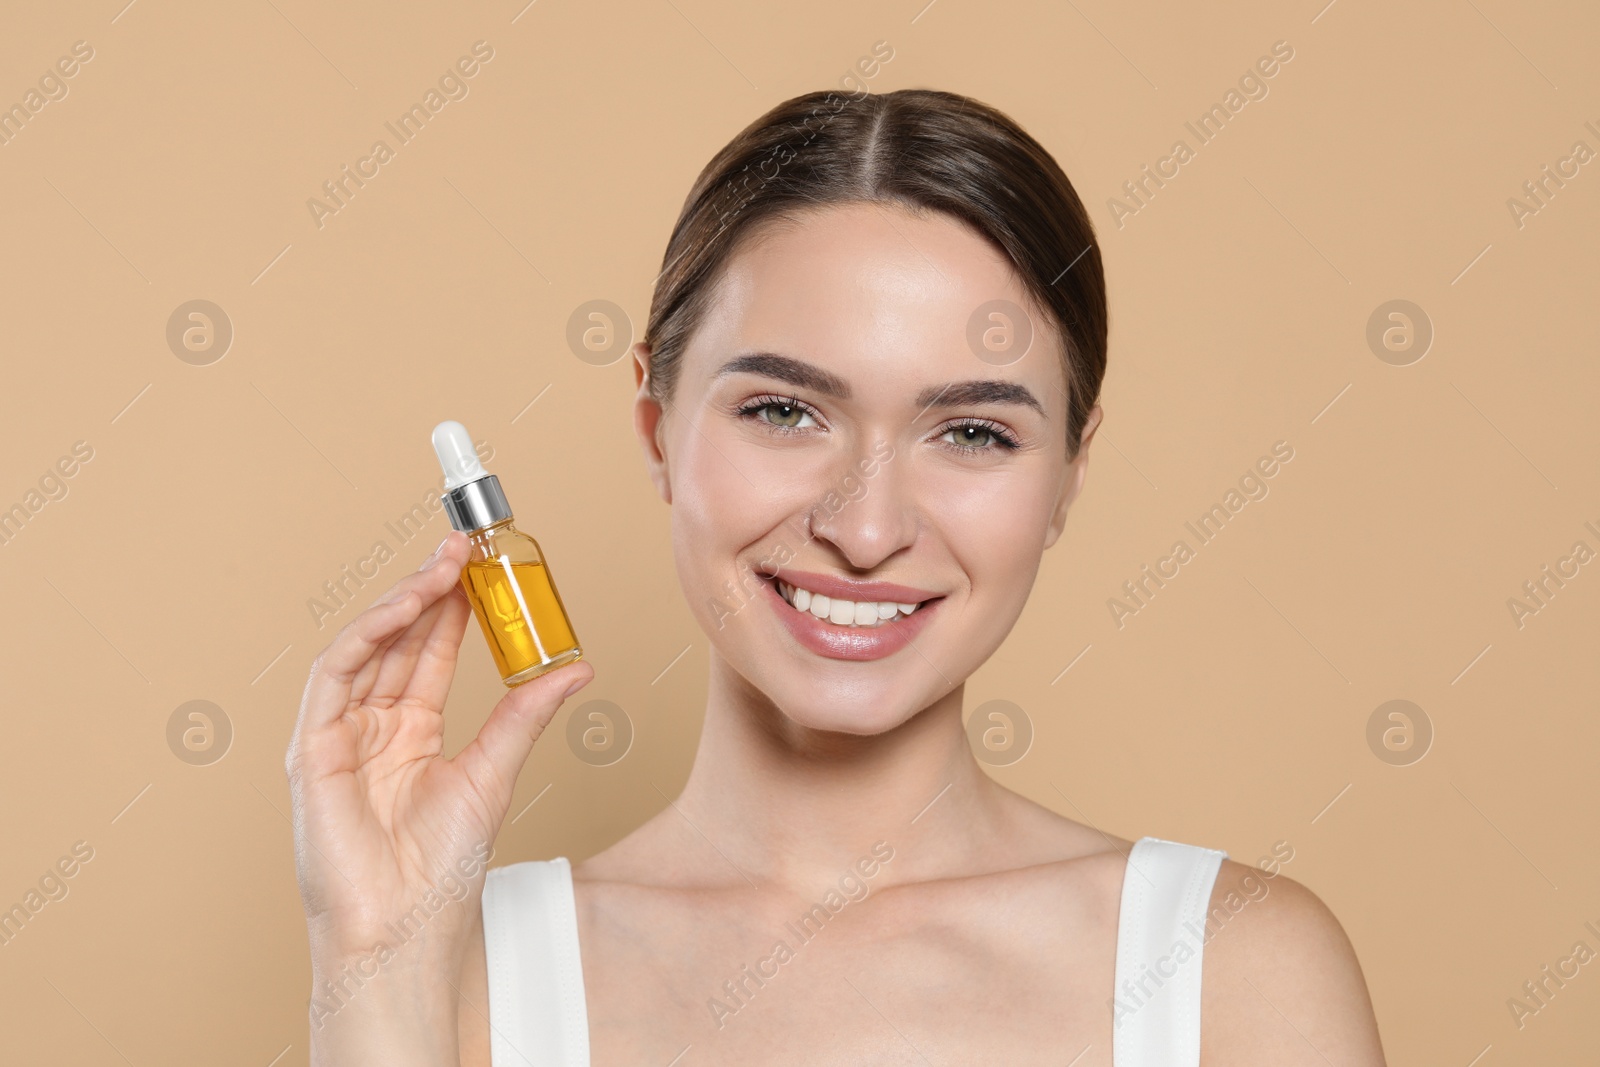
(978,437)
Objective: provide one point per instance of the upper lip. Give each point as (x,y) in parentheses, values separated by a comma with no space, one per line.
(835,587)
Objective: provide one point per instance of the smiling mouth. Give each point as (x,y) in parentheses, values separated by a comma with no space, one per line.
(866,614)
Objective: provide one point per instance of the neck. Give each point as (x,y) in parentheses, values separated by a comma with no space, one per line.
(790,805)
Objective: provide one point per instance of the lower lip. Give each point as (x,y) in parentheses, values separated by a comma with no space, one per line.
(850,642)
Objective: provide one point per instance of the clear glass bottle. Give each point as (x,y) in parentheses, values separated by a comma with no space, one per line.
(506,578)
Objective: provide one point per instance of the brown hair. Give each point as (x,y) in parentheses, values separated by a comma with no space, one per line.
(925,149)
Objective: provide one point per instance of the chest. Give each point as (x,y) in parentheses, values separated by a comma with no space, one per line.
(917,979)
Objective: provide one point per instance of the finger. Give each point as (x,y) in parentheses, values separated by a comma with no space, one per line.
(495,757)
(396,669)
(435,667)
(347,666)
(333,672)
(436,633)
(434,577)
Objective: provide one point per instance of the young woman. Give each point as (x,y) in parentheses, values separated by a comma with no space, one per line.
(867,390)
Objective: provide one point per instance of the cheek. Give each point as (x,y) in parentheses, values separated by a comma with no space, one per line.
(994,526)
(718,512)
(729,496)
(992,508)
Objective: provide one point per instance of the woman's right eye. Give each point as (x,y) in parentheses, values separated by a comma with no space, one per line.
(786,416)
(779,414)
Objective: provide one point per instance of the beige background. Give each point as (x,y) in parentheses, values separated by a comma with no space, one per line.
(1231,711)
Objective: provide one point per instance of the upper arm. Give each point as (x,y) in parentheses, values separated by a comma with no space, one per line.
(1281,984)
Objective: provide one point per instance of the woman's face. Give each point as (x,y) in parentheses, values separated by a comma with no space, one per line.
(833,426)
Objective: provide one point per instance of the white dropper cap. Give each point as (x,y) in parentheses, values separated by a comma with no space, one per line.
(453,445)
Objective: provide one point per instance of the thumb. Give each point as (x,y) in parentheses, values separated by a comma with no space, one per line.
(507,737)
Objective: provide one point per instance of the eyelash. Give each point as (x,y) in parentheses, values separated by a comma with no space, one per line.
(1004,439)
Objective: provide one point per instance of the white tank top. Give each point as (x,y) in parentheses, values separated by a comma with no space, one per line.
(537,1012)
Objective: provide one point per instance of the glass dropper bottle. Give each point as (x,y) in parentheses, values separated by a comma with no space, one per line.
(506,578)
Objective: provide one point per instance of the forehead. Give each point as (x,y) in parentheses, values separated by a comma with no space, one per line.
(865,288)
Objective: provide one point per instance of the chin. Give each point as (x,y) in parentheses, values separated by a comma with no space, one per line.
(876,717)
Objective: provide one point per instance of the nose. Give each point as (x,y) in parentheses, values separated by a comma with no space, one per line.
(870,510)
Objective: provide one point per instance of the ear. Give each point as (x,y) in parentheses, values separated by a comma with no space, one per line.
(648,422)
(1072,481)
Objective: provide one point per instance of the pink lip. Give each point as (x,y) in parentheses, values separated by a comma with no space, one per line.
(834,587)
(852,642)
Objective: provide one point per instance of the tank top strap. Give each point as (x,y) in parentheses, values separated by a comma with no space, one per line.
(1161,932)
(537,1012)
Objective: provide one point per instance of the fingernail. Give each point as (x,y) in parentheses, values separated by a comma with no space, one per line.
(434,558)
(574,687)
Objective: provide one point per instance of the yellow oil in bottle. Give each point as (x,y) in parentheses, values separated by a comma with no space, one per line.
(522,617)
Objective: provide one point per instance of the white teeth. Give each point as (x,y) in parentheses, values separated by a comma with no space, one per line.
(866,613)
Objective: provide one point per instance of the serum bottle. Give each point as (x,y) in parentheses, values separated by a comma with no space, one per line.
(506,577)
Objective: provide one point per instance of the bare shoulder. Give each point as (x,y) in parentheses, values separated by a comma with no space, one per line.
(1282,983)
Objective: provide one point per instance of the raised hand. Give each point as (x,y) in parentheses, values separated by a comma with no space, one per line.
(385,826)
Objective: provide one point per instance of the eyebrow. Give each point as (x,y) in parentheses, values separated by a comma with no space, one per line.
(805,375)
